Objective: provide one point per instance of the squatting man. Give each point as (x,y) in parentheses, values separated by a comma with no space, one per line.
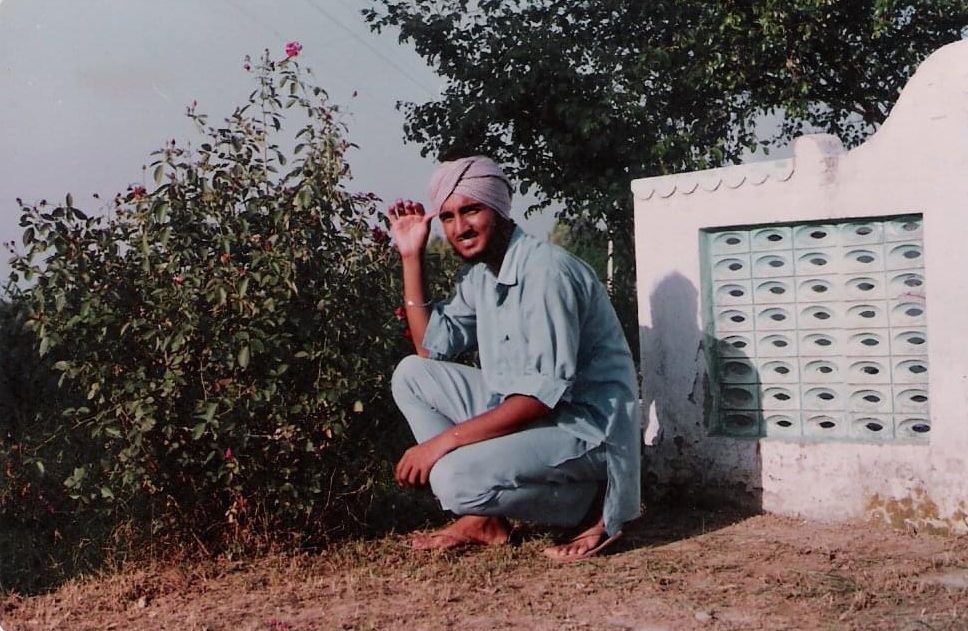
(546,430)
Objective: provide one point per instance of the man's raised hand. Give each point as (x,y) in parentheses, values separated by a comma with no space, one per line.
(410,226)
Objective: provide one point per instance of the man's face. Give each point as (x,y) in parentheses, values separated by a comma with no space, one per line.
(469,226)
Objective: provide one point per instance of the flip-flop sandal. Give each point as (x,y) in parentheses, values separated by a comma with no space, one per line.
(587,554)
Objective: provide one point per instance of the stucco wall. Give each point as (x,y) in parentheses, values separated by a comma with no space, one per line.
(916,163)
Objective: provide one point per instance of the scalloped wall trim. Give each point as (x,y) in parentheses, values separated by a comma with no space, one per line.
(711,180)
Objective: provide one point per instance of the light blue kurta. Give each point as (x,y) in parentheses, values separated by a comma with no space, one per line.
(544,327)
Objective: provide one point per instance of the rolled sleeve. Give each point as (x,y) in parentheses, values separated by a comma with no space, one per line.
(452,327)
(547,389)
(552,321)
(444,337)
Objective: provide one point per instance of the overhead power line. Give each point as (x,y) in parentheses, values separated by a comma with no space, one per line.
(252,18)
(369,46)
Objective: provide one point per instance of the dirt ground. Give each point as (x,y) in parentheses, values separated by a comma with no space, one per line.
(703,569)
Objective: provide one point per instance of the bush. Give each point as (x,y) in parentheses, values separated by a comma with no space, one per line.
(226,333)
(30,531)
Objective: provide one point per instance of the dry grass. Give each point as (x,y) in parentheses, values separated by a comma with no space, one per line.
(700,569)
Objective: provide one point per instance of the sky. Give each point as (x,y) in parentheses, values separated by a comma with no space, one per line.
(88,88)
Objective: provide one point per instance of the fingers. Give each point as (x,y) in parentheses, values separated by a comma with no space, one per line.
(402,470)
(404,208)
(409,472)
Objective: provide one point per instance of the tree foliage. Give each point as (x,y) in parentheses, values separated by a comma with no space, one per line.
(587,242)
(578,97)
(227,337)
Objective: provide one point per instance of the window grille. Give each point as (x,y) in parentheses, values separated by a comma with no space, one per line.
(817,330)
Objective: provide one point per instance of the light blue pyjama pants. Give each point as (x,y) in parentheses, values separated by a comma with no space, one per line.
(540,473)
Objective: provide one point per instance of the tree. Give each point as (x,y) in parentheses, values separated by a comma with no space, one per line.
(578,97)
(587,242)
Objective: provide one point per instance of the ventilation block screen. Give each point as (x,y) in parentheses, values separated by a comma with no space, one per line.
(817,330)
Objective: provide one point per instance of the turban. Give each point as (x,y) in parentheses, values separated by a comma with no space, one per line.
(479,178)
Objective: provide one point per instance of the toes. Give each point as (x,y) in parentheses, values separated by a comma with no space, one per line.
(434,541)
(567,550)
(577,548)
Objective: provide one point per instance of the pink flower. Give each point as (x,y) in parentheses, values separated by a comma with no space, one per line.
(400,313)
(293,49)
(229,455)
(380,236)
(138,192)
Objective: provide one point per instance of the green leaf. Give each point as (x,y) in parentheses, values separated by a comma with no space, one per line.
(159,173)
(161,212)
(76,477)
(209,413)
(304,197)
(198,430)
(243,356)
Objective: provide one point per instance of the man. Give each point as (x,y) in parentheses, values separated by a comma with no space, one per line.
(547,429)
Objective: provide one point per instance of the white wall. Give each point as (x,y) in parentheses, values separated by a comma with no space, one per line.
(916,163)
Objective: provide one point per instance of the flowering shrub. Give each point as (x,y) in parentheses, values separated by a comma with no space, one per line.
(293,49)
(226,331)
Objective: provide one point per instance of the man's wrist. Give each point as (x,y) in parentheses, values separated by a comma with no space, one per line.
(451,440)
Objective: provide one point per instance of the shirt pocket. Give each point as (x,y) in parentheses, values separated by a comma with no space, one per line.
(512,337)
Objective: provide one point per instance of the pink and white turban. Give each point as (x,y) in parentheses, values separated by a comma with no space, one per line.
(478,177)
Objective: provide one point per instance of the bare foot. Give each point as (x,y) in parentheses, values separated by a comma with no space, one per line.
(588,543)
(468,530)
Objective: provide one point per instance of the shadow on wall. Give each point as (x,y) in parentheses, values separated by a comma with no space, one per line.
(685,463)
